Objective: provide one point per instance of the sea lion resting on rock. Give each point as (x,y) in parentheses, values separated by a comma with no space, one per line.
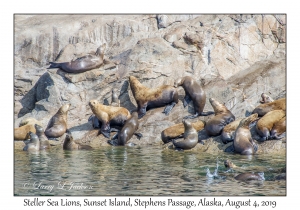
(82,64)
(69,143)
(34,143)
(58,123)
(25,126)
(278,129)
(265,98)
(177,131)
(44,142)
(222,117)
(129,128)
(151,98)
(228,131)
(263,109)
(194,92)
(109,115)
(267,122)
(190,137)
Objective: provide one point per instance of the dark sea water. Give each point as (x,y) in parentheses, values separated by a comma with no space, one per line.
(146,171)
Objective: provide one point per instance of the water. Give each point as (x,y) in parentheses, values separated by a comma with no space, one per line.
(142,171)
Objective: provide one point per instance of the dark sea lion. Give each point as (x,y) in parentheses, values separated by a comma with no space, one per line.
(58,123)
(82,64)
(265,124)
(69,143)
(228,131)
(263,109)
(34,143)
(278,129)
(194,92)
(223,116)
(266,98)
(250,176)
(44,142)
(109,115)
(147,98)
(129,128)
(25,126)
(190,137)
(243,142)
(177,131)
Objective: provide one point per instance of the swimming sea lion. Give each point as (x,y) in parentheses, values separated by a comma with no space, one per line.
(223,116)
(129,128)
(34,143)
(265,124)
(26,125)
(228,131)
(194,92)
(278,129)
(190,137)
(109,115)
(151,98)
(58,123)
(82,64)
(44,142)
(265,98)
(229,164)
(69,143)
(177,131)
(263,109)
(250,176)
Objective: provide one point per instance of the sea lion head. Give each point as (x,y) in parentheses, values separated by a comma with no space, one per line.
(217,106)
(228,164)
(33,137)
(100,50)
(65,108)
(93,103)
(265,98)
(187,124)
(38,128)
(69,136)
(178,82)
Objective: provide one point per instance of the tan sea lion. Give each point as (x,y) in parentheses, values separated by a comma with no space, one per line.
(147,98)
(44,142)
(69,143)
(223,116)
(228,131)
(82,64)
(129,128)
(229,164)
(194,92)
(278,129)
(26,125)
(34,143)
(58,123)
(177,131)
(250,176)
(190,137)
(263,109)
(109,115)
(266,98)
(265,124)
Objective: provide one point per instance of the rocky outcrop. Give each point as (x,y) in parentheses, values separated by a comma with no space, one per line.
(234,57)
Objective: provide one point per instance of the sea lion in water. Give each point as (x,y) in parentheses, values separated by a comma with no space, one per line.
(58,123)
(266,98)
(147,98)
(25,126)
(194,92)
(250,176)
(34,143)
(109,115)
(229,164)
(177,131)
(223,116)
(263,109)
(44,142)
(129,128)
(278,129)
(82,64)
(228,131)
(69,143)
(266,123)
(190,137)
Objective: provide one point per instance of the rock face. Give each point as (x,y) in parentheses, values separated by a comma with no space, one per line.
(234,57)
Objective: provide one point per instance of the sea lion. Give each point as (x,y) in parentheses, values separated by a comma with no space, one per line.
(278,129)
(58,123)
(194,92)
(108,115)
(190,137)
(263,109)
(266,98)
(129,128)
(82,64)
(44,142)
(228,131)
(147,98)
(69,143)
(229,164)
(243,142)
(265,124)
(34,143)
(26,125)
(250,176)
(223,116)
(177,131)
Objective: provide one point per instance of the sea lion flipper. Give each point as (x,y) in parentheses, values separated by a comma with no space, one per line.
(142,111)
(187,99)
(112,142)
(230,149)
(191,116)
(53,65)
(169,108)
(115,136)
(138,135)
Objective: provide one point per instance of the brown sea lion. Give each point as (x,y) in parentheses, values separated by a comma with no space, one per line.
(194,92)
(278,129)
(147,98)
(108,115)
(265,124)
(129,128)
(69,143)
(44,142)
(250,176)
(82,64)
(34,143)
(229,164)
(177,131)
(266,98)
(223,116)
(263,109)
(228,131)
(58,123)
(190,137)
(26,125)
